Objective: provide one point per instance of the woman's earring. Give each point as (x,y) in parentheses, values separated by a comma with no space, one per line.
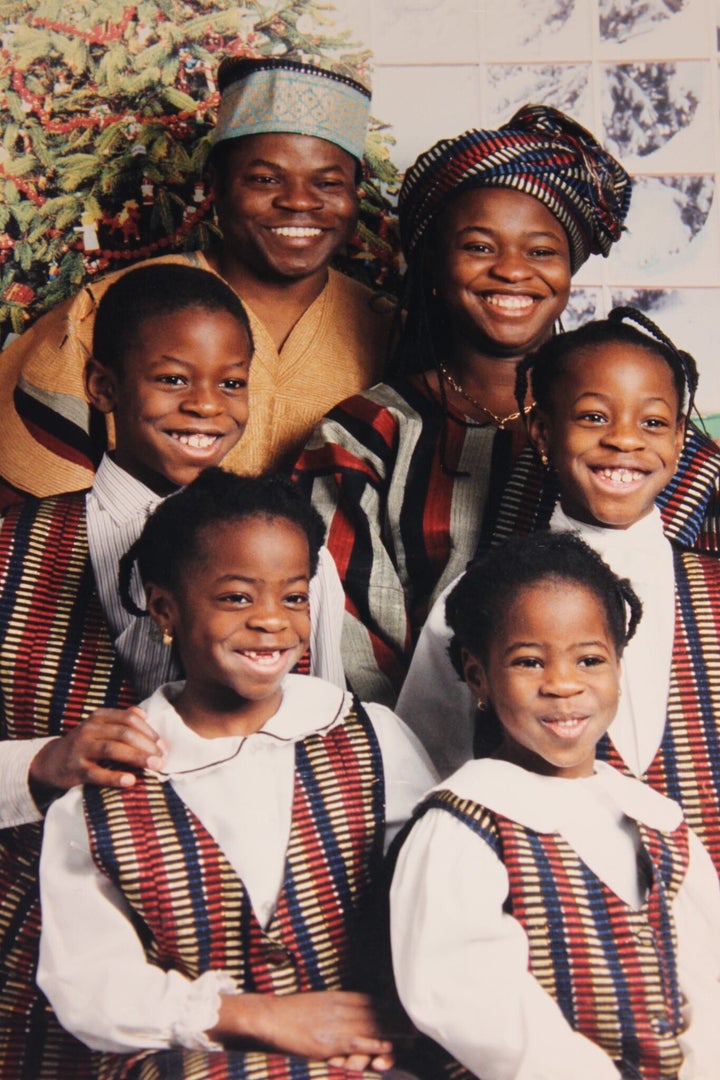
(167,638)
(544,459)
(482,705)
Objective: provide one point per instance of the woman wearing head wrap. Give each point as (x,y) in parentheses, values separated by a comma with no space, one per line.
(409,475)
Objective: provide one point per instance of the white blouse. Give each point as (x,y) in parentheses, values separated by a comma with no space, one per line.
(92,966)
(464,979)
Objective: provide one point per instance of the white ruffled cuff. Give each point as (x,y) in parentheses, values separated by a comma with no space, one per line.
(201,1011)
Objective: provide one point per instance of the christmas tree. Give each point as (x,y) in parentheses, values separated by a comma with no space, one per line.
(106,107)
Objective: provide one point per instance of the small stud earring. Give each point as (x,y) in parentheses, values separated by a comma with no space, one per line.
(544,459)
(167,638)
(482,705)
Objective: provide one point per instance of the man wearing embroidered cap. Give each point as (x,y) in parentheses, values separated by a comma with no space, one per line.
(409,475)
(285,165)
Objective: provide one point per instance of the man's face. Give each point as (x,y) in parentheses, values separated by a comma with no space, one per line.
(286,204)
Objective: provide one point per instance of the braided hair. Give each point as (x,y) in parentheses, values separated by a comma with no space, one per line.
(174,533)
(549,363)
(479,601)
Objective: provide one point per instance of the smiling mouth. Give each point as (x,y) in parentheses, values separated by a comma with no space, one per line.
(296,232)
(264,658)
(565,727)
(196,440)
(506,302)
(620,476)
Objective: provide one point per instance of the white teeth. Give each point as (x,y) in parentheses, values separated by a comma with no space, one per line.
(510,302)
(621,476)
(263,657)
(197,441)
(296,230)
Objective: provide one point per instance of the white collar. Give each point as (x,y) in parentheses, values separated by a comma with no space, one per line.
(120,494)
(540,802)
(645,534)
(308,705)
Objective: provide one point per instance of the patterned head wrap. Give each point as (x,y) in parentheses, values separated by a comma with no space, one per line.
(540,152)
(272,95)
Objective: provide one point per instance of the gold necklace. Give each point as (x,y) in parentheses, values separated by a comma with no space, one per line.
(499,421)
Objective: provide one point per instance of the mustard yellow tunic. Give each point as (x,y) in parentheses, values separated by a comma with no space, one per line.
(337,348)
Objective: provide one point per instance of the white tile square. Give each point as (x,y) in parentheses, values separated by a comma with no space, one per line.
(673,234)
(425,104)
(565,86)
(533,29)
(653,28)
(425,31)
(658,115)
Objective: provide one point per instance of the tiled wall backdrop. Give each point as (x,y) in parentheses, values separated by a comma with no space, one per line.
(644,75)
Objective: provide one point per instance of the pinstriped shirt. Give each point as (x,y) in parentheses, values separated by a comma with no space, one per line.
(118,506)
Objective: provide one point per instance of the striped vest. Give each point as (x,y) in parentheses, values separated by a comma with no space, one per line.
(193,913)
(57,663)
(687,765)
(627,999)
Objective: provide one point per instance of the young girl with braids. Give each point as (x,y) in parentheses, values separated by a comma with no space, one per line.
(207,920)
(550,918)
(612,401)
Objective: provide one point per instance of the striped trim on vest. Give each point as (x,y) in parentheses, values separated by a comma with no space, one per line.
(57,663)
(611,970)
(193,913)
(687,765)
(57,659)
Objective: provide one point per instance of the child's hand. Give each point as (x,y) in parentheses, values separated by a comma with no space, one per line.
(120,736)
(332,1025)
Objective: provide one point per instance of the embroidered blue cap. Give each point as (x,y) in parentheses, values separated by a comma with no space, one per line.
(275,95)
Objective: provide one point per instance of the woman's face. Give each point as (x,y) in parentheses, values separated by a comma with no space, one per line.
(502,269)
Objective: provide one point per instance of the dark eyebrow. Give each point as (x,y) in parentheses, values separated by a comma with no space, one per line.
(263,164)
(533,234)
(255,581)
(169,358)
(606,397)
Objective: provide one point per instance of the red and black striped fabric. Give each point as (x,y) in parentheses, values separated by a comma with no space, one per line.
(57,664)
(404,516)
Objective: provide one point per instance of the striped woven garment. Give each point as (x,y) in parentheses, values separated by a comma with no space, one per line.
(540,152)
(627,999)
(57,663)
(687,765)
(193,913)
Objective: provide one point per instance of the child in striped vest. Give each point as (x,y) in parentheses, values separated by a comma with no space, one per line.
(171,358)
(611,405)
(207,921)
(551,918)
(172,350)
